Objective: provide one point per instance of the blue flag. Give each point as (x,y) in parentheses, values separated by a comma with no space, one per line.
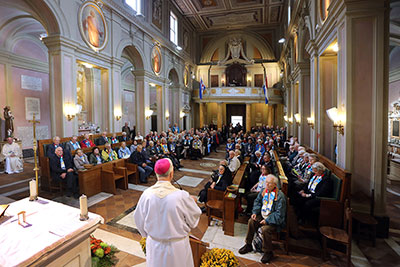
(202,88)
(265,88)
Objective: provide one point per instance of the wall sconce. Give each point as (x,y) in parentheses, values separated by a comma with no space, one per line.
(310,122)
(336,118)
(285,118)
(297,118)
(290,120)
(182,114)
(118,114)
(152,84)
(70,111)
(167,115)
(148,113)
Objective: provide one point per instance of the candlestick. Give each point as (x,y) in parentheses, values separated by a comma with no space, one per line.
(32,190)
(84,208)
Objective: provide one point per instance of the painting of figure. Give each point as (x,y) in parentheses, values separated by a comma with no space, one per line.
(93,26)
(156,59)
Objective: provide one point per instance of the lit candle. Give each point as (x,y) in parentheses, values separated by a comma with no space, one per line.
(83,204)
(32,189)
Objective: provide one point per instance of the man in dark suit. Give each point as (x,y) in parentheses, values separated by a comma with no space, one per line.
(138,158)
(50,151)
(61,169)
(127,130)
(102,140)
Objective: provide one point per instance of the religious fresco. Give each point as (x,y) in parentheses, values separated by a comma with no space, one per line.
(92,26)
(157,13)
(156,59)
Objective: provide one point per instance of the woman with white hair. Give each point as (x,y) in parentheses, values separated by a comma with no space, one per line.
(320,185)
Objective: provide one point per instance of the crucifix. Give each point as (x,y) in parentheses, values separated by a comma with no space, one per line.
(36,169)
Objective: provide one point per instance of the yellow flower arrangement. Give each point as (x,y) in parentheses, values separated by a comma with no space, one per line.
(143,244)
(219,257)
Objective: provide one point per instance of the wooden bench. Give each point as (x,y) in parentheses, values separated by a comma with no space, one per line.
(230,202)
(332,213)
(102,178)
(281,173)
(198,249)
(46,182)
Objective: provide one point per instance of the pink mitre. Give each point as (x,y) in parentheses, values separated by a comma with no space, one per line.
(162,166)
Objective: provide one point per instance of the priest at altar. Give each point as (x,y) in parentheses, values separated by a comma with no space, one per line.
(11,153)
(165,215)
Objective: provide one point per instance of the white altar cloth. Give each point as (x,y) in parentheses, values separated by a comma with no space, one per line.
(52,224)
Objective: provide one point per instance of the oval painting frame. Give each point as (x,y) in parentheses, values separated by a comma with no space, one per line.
(156,59)
(93,26)
(186,77)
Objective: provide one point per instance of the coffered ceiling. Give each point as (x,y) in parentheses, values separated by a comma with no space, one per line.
(231,14)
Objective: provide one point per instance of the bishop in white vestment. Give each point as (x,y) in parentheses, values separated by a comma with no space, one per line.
(11,152)
(165,215)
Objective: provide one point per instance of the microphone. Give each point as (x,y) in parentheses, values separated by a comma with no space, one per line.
(173,179)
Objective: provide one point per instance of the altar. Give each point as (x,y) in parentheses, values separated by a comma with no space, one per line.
(53,235)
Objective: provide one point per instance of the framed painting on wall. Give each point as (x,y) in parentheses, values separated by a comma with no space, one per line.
(156,59)
(186,77)
(92,25)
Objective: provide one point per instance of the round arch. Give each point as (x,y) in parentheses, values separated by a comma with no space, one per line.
(263,46)
(134,54)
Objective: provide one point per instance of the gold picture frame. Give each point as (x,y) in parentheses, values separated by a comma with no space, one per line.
(93,26)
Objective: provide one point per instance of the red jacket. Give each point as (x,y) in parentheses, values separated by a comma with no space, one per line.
(83,143)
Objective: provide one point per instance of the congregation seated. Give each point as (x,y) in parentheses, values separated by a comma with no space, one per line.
(252,194)
(114,139)
(238,155)
(124,138)
(108,154)
(86,142)
(187,145)
(196,148)
(73,144)
(298,177)
(123,151)
(138,137)
(229,147)
(233,162)
(95,157)
(260,146)
(249,147)
(134,146)
(102,140)
(11,153)
(169,154)
(62,170)
(218,181)
(269,213)
(80,159)
(139,158)
(306,199)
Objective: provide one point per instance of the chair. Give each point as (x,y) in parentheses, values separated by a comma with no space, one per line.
(285,231)
(131,170)
(215,205)
(342,236)
(367,220)
(113,177)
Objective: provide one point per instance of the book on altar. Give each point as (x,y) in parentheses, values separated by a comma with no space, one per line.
(3,209)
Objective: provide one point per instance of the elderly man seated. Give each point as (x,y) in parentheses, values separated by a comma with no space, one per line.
(61,169)
(233,162)
(138,158)
(87,142)
(269,213)
(103,139)
(73,144)
(51,148)
(12,153)
(80,159)
(123,151)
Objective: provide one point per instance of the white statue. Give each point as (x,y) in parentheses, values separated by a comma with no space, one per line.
(236,51)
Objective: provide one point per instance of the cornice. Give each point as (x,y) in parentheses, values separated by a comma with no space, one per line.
(7,57)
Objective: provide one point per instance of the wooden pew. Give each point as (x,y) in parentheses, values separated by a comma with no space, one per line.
(282,176)
(198,249)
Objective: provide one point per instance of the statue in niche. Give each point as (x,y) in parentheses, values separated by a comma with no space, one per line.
(157,12)
(236,52)
(9,122)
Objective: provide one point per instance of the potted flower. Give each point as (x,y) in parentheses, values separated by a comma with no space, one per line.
(103,255)
(219,257)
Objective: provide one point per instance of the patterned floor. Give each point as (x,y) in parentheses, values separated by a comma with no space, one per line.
(116,210)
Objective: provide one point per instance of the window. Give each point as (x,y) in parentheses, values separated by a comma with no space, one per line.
(135,5)
(173,28)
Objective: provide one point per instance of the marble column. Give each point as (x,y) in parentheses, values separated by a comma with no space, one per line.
(142,98)
(249,122)
(219,115)
(314,114)
(62,78)
(363,96)
(116,104)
